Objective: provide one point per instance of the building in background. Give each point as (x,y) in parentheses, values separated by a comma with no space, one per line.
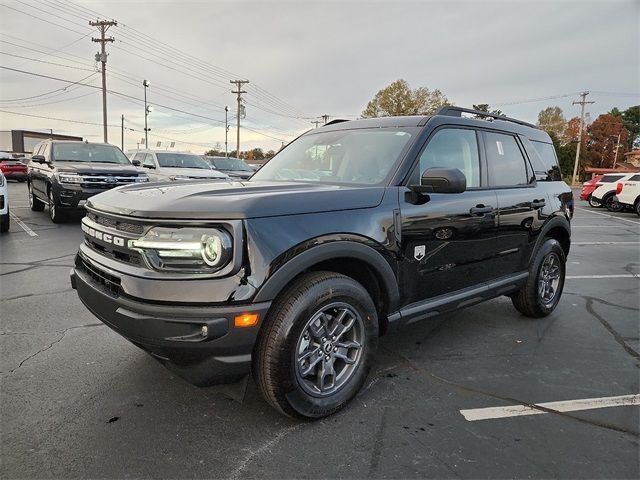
(23,141)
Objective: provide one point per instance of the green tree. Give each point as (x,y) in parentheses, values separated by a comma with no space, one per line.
(566,153)
(484,107)
(552,120)
(631,119)
(399,99)
(602,144)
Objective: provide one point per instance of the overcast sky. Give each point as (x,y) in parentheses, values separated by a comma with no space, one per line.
(305,59)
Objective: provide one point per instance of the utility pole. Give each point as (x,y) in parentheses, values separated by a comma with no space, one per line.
(615,158)
(582,103)
(122,132)
(325,117)
(316,122)
(147,110)
(239,92)
(226,132)
(103,26)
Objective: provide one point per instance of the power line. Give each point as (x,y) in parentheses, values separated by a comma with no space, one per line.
(63,89)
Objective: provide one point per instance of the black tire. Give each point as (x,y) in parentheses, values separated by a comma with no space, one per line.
(276,365)
(5,222)
(530,301)
(612,205)
(35,203)
(593,202)
(55,213)
(637,209)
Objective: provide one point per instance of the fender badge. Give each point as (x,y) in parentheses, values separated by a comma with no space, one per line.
(418,252)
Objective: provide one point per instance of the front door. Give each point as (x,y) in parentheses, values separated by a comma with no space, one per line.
(449,242)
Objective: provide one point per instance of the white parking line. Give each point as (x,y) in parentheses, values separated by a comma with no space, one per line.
(605,243)
(610,216)
(474,414)
(30,232)
(622,275)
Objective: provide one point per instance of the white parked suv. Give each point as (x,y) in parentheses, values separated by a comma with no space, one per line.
(628,193)
(162,165)
(606,192)
(4,204)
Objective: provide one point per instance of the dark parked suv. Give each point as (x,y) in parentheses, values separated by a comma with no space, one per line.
(352,229)
(65,174)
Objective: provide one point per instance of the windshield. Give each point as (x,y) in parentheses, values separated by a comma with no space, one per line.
(231,164)
(363,156)
(87,152)
(181,160)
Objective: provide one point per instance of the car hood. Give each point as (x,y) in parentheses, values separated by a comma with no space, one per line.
(190,172)
(95,168)
(232,200)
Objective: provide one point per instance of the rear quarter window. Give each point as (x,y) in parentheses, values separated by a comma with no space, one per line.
(544,160)
(635,178)
(610,178)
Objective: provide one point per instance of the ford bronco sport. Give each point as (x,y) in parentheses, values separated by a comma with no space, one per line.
(353,229)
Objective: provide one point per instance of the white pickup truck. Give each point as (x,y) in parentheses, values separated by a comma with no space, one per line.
(628,193)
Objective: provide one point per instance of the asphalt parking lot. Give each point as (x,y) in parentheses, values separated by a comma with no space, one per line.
(79,401)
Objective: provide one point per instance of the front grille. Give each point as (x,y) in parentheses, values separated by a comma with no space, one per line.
(117,224)
(109,283)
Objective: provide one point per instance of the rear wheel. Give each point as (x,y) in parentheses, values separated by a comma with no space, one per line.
(54,210)
(637,209)
(316,346)
(612,204)
(542,292)
(593,202)
(35,203)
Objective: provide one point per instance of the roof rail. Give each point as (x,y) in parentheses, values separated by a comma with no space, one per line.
(458,111)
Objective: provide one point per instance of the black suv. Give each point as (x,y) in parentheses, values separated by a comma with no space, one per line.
(352,229)
(65,174)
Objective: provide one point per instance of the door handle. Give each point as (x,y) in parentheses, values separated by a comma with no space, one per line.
(481,209)
(537,203)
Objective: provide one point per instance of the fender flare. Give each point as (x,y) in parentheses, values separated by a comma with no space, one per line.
(556,221)
(330,251)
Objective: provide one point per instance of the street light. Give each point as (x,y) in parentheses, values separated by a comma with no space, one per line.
(226,132)
(147,110)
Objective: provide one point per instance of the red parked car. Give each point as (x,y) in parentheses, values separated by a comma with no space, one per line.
(13,169)
(588,187)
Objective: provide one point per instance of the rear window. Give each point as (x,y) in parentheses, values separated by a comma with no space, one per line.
(635,178)
(181,160)
(544,161)
(610,178)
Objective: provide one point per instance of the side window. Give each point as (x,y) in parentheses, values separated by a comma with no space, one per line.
(45,151)
(610,178)
(139,157)
(547,167)
(506,164)
(453,148)
(635,178)
(148,161)
(36,149)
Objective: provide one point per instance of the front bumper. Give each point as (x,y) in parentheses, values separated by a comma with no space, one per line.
(174,334)
(15,175)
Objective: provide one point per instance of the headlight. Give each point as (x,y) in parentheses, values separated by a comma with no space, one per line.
(191,250)
(69,178)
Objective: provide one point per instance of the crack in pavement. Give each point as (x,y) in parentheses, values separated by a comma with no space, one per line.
(617,337)
(44,349)
(604,302)
(27,295)
(420,369)
(42,332)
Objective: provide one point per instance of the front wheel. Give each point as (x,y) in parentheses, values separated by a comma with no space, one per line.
(638,208)
(316,346)
(593,202)
(542,292)
(5,222)
(35,203)
(54,211)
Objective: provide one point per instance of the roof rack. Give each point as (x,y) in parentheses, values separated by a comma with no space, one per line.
(458,111)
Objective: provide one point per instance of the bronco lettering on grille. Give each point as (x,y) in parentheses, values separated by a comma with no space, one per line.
(105,237)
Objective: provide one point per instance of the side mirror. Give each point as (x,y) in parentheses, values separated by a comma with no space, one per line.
(38,159)
(152,167)
(441,180)
(136,162)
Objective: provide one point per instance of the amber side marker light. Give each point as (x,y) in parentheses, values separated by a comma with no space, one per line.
(245,320)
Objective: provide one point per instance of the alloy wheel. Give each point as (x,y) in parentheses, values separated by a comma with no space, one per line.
(549,278)
(329,349)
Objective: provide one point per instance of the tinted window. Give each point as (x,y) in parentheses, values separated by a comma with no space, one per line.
(147,160)
(87,152)
(545,163)
(505,160)
(231,164)
(139,156)
(181,160)
(364,156)
(453,148)
(635,178)
(610,178)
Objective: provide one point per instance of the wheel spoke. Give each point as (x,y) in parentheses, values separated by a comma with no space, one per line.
(348,345)
(318,328)
(326,370)
(340,328)
(343,354)
(309,369)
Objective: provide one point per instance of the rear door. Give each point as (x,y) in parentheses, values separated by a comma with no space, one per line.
(520,202)
(447,241)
